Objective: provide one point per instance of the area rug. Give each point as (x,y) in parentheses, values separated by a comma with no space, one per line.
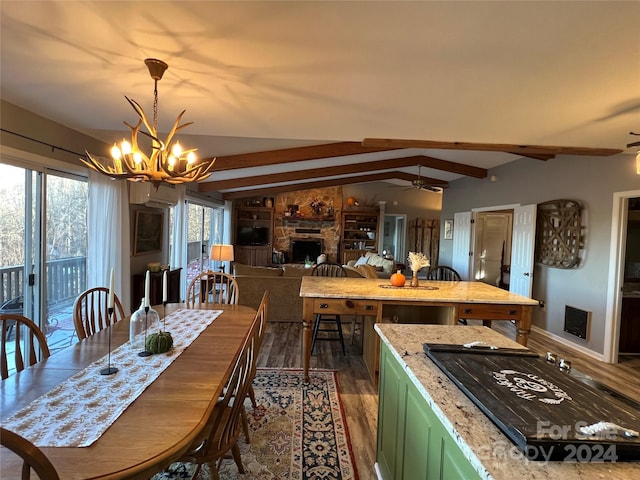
(298,432)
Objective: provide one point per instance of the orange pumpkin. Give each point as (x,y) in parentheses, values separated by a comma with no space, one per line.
(398,279)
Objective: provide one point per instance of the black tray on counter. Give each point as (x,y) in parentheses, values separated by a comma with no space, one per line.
(541,407)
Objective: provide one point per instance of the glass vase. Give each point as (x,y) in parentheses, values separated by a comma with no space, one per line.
(141,325)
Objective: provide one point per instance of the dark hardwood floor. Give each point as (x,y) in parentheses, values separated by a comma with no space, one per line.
(282,347)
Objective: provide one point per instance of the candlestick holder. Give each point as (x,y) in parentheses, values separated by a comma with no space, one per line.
(109,370)
(164,315)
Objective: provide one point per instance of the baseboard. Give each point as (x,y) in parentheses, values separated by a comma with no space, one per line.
(568,344)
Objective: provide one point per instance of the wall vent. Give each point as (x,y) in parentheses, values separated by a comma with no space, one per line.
(576,321)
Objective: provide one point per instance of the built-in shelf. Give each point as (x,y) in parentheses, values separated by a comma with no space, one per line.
(253,238)
(359,233)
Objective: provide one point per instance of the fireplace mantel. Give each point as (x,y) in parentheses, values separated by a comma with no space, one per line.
(307,221)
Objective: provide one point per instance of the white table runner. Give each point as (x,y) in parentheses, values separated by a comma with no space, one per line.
(79,410)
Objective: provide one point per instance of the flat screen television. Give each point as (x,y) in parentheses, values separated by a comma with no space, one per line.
(252,236)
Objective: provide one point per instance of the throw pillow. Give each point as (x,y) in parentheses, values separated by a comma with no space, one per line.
(362,261)
(378,261)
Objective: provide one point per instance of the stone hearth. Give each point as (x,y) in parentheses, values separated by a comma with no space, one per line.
(306,224)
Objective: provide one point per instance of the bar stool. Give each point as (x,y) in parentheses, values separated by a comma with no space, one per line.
(328,270)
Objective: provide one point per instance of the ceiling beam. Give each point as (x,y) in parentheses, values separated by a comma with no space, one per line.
(428,162)
(288,155)
(259,192)
(490,147)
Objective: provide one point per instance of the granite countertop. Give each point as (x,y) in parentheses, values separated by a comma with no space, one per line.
(433,291)
(492,454)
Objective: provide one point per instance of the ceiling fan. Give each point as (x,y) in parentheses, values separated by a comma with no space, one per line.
(422,184)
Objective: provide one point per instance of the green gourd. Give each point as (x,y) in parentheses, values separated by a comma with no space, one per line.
(159,342)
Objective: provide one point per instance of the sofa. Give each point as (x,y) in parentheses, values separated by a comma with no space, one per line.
(283,283)
(384,267)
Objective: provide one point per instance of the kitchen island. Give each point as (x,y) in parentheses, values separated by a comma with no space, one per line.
(368,297)
(428,428)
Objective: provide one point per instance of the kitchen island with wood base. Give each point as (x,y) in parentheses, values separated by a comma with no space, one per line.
(369,297)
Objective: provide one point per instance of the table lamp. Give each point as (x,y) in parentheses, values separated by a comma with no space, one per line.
(221,253)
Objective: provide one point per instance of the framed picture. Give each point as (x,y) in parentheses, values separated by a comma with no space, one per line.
(448,229)
(147,237)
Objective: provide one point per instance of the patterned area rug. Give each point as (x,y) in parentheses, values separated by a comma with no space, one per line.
(298,432)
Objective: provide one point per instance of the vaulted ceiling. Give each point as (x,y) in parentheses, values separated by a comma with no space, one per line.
(291,95)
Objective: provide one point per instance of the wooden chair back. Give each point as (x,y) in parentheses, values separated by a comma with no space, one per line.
(261,319)
(90,311)
(328,270)
(212,287)
(33,457)
(225,423)
(447,274)
(443,273)
(27,337)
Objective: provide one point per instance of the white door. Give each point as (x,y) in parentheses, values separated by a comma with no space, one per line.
(461,256)
(522,250)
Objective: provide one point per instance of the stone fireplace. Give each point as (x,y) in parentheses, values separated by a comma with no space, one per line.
(307,226)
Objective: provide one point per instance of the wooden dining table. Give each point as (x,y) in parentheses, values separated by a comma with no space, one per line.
(160,424)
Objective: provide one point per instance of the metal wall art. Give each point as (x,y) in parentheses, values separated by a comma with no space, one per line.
(559,234)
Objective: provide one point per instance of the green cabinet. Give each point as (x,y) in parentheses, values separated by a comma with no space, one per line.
(412,443)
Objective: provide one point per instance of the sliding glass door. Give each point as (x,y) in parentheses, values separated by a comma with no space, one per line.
(204,228)
(66,253)
(43,242)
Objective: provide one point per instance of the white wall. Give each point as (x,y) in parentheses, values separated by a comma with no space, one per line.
(16,119)
(413,203)
(588,180)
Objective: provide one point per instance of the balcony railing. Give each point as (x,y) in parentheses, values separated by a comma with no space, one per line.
(65,279)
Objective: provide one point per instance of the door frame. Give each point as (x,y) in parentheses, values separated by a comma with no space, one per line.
(617,248)
(474,218)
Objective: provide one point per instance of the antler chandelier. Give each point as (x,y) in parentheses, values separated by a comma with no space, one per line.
(167,163)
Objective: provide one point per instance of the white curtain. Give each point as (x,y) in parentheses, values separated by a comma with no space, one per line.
(108,236)
(179,238)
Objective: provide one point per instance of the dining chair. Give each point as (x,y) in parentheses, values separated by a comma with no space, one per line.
(445,274)
(224,425)
(90,311)
(261,319)
(28,338)
(212,287)
(328,270)
(33,458)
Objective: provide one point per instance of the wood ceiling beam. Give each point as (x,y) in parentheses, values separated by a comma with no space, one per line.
(220,185)
(259,192)
(490,147)
(536,156)
(288,155)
